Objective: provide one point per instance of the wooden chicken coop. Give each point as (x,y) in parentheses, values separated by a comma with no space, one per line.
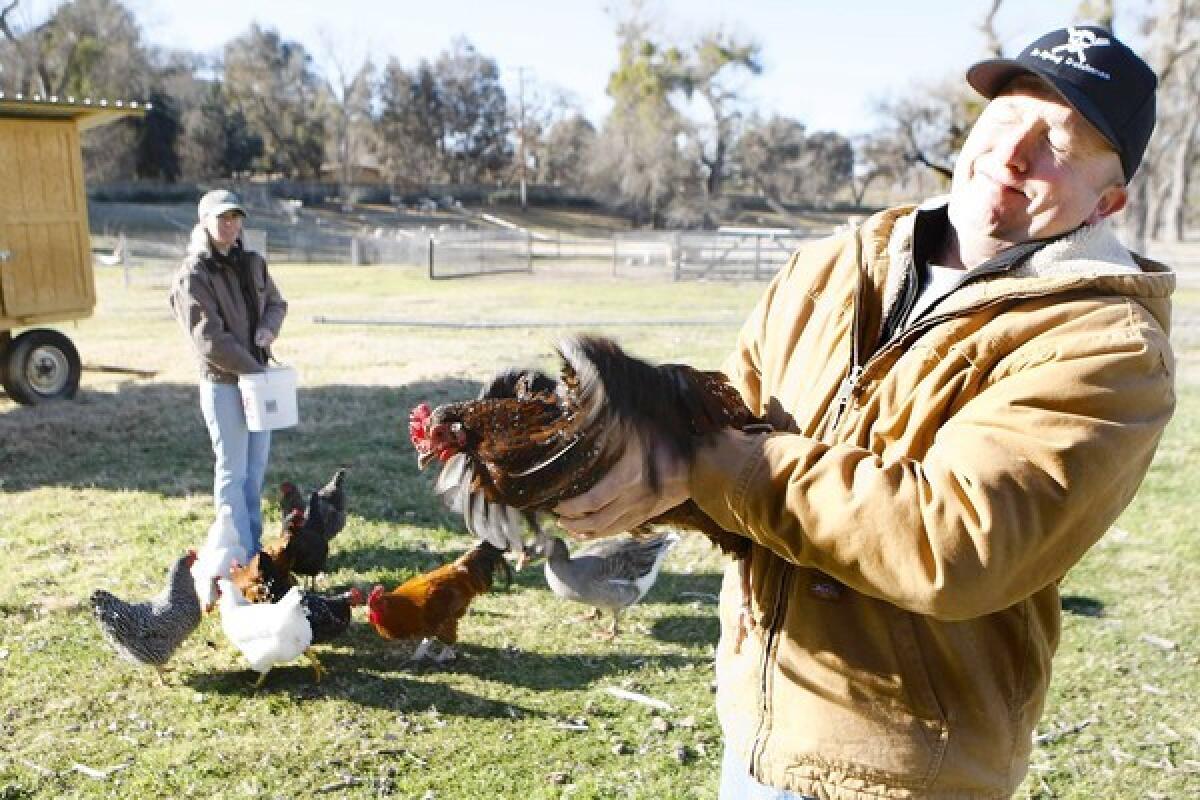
(45,248)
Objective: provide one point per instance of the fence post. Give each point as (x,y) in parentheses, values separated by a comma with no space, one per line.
(529,251)
(677,256)
(431,276)
(757,255)
(614,241)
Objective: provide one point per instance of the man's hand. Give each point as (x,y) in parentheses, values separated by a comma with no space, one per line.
(624,499)
(263,338)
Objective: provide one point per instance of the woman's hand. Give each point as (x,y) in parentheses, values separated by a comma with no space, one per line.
(624,499)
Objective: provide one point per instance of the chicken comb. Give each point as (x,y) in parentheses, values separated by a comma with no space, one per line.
(418,428)
(356,597)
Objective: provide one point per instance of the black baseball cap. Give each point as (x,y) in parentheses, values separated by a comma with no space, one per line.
(1102,79)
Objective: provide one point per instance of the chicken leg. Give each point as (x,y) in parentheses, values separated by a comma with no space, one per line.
(318,670)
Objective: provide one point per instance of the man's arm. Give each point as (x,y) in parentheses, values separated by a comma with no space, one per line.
(1017,485)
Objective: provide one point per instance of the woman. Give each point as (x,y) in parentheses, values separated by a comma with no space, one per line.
(231,311)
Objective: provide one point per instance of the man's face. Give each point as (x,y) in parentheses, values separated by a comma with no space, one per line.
(224,229)
(1033,167)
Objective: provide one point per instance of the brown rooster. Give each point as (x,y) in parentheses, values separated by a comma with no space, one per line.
(547,441)
(430,605)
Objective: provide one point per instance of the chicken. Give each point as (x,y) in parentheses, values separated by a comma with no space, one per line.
(430,605)
(302,548)
(329,617)
(610,574)
(308,544)
(261,579)
(290,499)
(149,632)
(222,548)
(331,501)
(530,447)
(267,634)
(503,526)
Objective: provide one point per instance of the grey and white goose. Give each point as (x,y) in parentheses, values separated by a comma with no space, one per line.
(611,574)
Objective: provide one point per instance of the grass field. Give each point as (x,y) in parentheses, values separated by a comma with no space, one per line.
(107,490)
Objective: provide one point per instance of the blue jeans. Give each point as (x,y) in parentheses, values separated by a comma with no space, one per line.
(736,783)
(241,460)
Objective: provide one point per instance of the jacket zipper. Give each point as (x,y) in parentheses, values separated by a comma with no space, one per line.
(845,392)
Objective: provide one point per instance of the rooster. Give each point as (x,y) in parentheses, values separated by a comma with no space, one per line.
(148,633)
(430,605)
(502,525)
(290,499)
(540,442)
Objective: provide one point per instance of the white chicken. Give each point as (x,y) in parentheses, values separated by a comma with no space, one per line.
(221,548)
(267,633)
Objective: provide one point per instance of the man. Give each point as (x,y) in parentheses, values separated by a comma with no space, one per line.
(966,395)
(231,311)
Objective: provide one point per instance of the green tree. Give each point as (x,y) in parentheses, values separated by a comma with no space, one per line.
(271,81)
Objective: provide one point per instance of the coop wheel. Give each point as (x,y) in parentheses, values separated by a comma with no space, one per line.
(41,365)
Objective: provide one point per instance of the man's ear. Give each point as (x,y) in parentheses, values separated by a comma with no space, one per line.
(1112,200)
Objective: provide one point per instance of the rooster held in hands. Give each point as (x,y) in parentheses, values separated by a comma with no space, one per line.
(504,526)
(430,606)
(542,442)
(149,632)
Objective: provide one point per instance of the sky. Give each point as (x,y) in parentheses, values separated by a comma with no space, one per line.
(825,63)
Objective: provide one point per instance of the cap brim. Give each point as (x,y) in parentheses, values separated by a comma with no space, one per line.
(223,207)
(991,76)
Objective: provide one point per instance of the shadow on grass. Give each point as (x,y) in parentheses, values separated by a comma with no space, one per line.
(1082,606)
(151,438)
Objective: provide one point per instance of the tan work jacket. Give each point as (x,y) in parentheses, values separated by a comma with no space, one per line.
(915,515)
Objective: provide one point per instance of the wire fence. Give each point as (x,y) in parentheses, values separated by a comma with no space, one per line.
(462,253)
(738,255)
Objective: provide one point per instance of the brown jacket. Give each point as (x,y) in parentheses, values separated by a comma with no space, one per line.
(904,578)
(208,301)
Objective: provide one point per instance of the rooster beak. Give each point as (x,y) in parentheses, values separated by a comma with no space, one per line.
(423,460)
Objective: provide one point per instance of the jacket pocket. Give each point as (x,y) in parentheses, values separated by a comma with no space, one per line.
(850,688)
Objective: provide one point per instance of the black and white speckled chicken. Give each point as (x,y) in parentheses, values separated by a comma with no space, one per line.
(149,632)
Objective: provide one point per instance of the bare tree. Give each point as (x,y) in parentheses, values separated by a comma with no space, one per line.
(988,28)
(1160,192)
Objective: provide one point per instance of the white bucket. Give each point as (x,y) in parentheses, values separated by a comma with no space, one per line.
(269,399)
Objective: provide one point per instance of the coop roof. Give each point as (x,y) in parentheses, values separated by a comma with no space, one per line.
(87,112)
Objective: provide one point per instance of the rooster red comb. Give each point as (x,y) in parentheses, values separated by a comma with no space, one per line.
(418,426)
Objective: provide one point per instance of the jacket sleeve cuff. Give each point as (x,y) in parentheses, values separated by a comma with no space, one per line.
(721,476)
